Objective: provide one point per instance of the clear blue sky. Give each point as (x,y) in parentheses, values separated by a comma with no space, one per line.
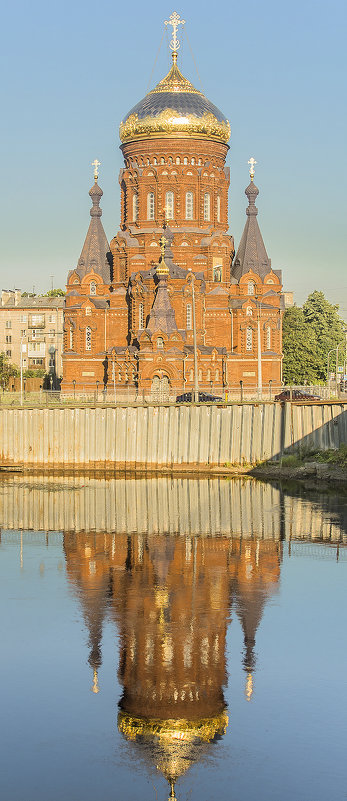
(72,70)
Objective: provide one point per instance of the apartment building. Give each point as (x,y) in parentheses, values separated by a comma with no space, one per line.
(32,324)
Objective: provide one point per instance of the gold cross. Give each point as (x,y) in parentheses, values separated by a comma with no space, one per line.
(174,20)
(96,164)
(252,162)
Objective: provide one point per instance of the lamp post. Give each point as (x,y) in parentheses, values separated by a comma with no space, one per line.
(196,384)
(328,369)
(74,388)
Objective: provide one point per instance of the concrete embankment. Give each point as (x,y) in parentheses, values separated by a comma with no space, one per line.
(176,437)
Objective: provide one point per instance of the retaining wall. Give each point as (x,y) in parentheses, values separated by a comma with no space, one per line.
(148,437)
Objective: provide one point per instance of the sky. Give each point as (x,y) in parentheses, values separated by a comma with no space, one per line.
(72,70)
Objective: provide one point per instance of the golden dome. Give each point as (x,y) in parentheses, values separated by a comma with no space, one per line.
(175,744)
(175,108)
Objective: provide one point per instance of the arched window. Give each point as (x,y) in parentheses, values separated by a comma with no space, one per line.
(193,160)
(249,311)
(191,375)
(207,206)
(209,375)
(160,343)
(169,205)
(249,339)
(189,317)
(135,206)
(155,160)
(162,160)
(189,205)
(200,375)
(217,375)
(71,338)
(251,288)
(150,206)
(185,160)
(92,288)
(141,317)
(178,160)
(88,338)
(218,208)
(268,338)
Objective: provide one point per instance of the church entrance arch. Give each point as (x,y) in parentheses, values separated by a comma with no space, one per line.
(160,389)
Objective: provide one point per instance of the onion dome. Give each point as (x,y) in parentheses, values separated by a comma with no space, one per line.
(174,107)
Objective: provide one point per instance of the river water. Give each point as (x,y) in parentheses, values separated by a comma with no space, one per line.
(176,637)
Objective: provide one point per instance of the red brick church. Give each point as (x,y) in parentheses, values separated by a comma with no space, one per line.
(130,304)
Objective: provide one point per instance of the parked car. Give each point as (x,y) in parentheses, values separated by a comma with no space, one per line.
(297,394)
(203,398)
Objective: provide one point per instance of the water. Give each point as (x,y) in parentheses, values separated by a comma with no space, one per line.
(172,636)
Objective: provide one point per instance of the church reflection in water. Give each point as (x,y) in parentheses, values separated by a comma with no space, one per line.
(171,598)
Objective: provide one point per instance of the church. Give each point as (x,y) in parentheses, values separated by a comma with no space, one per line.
(169,304)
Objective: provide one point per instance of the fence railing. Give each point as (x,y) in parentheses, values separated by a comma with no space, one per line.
(131,395)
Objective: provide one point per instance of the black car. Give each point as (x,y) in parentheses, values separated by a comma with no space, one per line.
(297,394)
(203,398)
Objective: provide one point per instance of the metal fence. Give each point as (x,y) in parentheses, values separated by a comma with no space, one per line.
(131,395)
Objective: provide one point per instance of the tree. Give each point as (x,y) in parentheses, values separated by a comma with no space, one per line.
(299,348)
(308,336)
(7,370)
(54,293)
(323,317)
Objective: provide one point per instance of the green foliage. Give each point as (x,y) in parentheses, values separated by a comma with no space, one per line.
(54,293)
(323,317)
(7,370)
(28,295)
(299,348)
(308,336)
(34,373)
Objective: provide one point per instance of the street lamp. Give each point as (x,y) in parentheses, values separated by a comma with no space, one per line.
(74,387)
(196,384)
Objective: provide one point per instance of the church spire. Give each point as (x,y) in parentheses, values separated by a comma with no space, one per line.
(251,254)
(95,255)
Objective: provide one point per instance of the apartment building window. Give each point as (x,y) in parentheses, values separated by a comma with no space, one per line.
(23,318)
(23,332)
(8,339)
(50,318)
(51,333)
(9,353)
(8,323)
(37,320)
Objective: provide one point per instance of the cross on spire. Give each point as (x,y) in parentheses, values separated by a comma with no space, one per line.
(96,164)
(252,162)
(174,20)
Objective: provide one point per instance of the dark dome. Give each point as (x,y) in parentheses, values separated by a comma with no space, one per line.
(175,106)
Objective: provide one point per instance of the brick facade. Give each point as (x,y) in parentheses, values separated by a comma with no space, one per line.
(128,325)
